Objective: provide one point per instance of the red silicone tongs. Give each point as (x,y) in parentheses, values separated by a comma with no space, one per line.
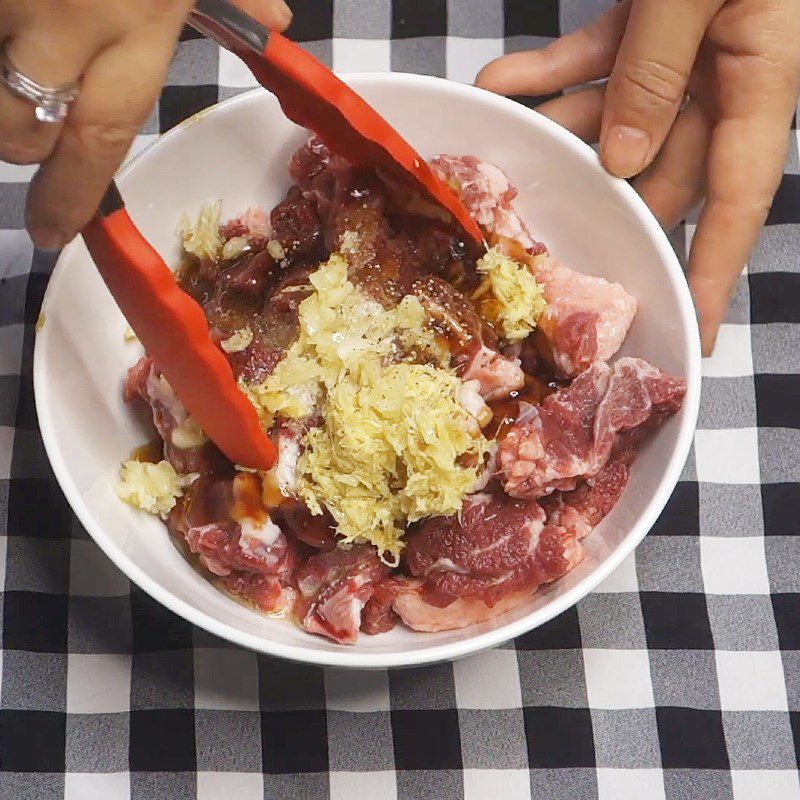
(169,323)
(313,97)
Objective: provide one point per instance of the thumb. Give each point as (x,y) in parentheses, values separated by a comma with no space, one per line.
(649,79)
(273,14)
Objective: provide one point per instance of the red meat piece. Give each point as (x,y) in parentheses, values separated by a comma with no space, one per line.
(572,433)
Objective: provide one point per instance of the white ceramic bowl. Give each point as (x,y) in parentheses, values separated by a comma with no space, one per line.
(238,151)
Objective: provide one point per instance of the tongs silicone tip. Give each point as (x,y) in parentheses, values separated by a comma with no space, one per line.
(173,330)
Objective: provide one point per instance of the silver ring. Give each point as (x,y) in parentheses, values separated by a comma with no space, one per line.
(51,103)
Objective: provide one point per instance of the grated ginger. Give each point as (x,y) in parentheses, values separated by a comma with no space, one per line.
(395,440)
(509,296)
(202,238)
(152,487)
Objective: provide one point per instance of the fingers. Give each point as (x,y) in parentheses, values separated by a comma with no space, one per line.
(580,57)
(649,79)
(579,112)
(745,165)
(118,91)
(673,184)
(273,14)
(50,58)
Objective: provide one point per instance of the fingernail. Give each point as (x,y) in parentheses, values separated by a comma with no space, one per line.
(625,151)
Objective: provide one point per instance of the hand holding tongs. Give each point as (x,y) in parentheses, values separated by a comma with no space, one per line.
(170,324)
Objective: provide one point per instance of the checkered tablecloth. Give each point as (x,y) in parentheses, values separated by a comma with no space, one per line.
(678,678)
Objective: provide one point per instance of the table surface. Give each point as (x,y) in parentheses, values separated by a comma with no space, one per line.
(679,677)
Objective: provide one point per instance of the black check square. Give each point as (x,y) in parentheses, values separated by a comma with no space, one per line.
(426,739)
(777,401)
(560,633)
(681,515)
(780,502)
(35,621)
(32,741)
(26,407)
(38,508)
(674,621)
(559,737)
(524,18)
(774,297)
(786,608)
(162,741)
(312,20)
(410,18)
(785,208)
(154,627)
(34,294)
(294,741)
(691,738)
(181,102)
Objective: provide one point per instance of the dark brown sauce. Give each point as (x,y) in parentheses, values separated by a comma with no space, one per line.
(247,493)
(150,453)
(317,531)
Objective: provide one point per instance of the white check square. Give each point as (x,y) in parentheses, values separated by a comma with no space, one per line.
(99,683)
(733,353)
(97,786)
(239,785)
(233,73)
(363,785)
(751,681)
(369,693)
(734,565)
(727,456)
(618,678)
(488,680)
(755,784)
(630,784)
(514,784)
(225,679)
(362,55)
(465,57)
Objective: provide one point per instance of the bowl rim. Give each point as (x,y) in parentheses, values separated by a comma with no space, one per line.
(348,656)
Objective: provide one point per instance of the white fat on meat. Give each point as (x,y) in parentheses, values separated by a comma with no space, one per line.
(257,537)
(587,317)
(285,469)
(185,432)
(496,375)
(489,469)
(469,397)
(461,613)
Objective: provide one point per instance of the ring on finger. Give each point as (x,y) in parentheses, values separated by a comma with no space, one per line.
(51,103)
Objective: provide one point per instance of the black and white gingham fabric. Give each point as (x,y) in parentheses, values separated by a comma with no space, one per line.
(678,678)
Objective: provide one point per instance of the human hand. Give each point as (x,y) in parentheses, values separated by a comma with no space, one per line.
(120,51)
(739,61)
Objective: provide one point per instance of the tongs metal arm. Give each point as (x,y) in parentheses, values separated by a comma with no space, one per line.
(228,26)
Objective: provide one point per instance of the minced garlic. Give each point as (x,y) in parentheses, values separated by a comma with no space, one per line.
(152,487)
(238,341)
(202,238)
(509,296)
(275,250)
